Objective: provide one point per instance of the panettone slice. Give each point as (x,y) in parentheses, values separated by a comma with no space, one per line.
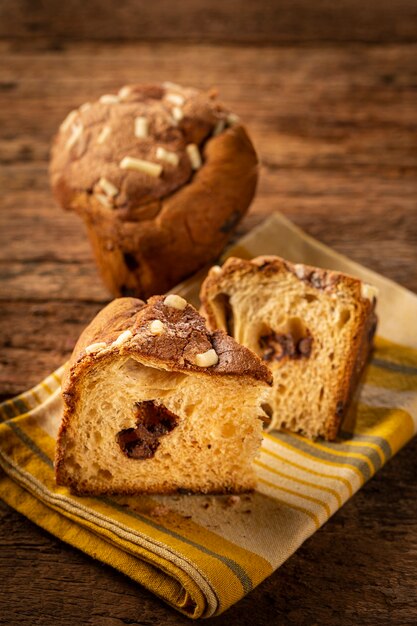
(155,403)
(313,328)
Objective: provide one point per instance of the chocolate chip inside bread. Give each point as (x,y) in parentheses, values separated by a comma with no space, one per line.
(153,421)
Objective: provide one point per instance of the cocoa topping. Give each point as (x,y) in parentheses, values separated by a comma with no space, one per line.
(153,421)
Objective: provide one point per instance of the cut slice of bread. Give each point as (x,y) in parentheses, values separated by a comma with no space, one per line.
(155,403)
(313,328)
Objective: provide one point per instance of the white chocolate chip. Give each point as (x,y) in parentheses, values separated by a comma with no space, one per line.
(104,200)
(216,270)
(219,128)
(175,302)
(85,107)
(130,163)
(156,327)
(108,187)
(369,291)
(177,114)
(77,131)
(207,359)
(141,127)
(104,133)
(124,92)
(68,121)
(95,347)
(122,338)
(166,155)
(109,98)
(232,119)
(194,156)
(299,270)
(175,98)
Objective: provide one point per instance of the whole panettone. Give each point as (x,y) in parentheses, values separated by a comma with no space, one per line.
(161,176)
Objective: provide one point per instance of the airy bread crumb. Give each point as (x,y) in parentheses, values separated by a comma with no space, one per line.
(146,419)
(313,328)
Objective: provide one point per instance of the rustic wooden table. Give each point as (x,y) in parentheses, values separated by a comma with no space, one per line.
(329,97)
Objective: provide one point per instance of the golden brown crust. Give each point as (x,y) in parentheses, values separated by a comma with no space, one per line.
(76,489)
(105,327)
(185,335)
(361,349)
(322,280)
(157,230)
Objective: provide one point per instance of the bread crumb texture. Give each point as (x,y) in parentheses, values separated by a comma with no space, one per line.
(142,417)
(313,328)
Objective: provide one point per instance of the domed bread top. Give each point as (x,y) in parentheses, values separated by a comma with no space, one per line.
(137,146)
(165,336)
(161,176)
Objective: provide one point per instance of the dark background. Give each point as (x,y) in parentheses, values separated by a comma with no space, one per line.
(328,91)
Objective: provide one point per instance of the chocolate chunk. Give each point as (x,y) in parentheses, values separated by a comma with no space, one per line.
(130,260)
(156,418)
(276,347)
(153,421)
(137,443)
(304,346)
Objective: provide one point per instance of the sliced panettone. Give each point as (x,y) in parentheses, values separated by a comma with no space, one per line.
(155,403)
(313,328)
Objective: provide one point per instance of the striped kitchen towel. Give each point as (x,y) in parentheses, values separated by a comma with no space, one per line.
(203,553)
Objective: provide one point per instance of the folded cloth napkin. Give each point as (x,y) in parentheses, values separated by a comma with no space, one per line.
(203,553)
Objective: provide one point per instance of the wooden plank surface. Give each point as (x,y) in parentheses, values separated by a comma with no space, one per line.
(233,21)
(335,127)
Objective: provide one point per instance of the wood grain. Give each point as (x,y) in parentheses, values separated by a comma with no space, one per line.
(335,128)
(235,21)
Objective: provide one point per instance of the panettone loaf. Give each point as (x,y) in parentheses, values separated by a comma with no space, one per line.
(161,176)
(313,328)
(155,403)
